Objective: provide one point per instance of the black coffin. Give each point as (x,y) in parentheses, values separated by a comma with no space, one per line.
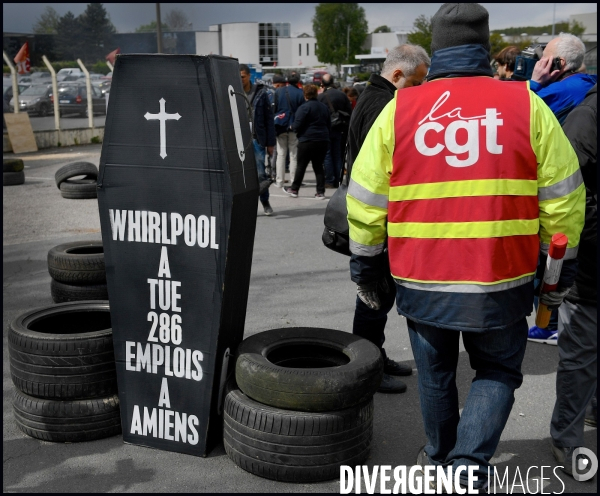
(178,195)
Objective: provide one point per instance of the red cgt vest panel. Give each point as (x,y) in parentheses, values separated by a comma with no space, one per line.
(463,129)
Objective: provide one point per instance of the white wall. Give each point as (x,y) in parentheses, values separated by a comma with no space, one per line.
(240,40)
(207,43)
(293,52)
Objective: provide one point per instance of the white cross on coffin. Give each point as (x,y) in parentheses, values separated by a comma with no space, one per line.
(162,116)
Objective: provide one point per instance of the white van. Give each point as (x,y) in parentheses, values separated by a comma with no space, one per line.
(63,73)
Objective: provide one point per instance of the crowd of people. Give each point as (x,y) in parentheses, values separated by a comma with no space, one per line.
(455,189)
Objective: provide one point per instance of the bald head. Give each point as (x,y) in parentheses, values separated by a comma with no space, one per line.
(327,80)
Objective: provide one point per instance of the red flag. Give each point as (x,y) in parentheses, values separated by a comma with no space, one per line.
(111,56)
(22,59)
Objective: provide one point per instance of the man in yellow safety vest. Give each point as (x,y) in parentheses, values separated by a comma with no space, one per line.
(465,179)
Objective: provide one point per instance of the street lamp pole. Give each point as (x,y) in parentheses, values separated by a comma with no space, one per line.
(159,47)
(553,18)
(348,44)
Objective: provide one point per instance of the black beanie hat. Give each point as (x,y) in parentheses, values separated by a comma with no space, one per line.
(456,24)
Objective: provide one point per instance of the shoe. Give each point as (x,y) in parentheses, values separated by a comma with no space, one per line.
(391,384)
(422,461)
(538,335)
(391,367)
(329,186)
(319,196)
(292,192)
(278,185)
(564,457)
(267,207)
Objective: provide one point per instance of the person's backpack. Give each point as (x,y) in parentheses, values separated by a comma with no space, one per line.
(339,118)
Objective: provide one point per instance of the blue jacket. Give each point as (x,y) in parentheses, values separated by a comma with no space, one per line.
(282,104)
(563,96)
(313,122)
(264,128)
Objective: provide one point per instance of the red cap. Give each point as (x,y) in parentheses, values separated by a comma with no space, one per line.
(558,246)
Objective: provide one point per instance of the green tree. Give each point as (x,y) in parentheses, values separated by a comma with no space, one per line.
(177,20)
(47,22)
(68,37)
(497,43)
(151,27)
(97,33)
(421,33)
(576,28)
(331,24)
(382,29)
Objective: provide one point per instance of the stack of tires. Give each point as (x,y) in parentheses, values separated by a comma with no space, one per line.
(303,403)
(63,367)
(77,189)
(12,171)
(77,271)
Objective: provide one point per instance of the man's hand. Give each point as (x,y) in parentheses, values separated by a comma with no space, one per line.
(270,150)
(541,72)
(368,294)
(553,299)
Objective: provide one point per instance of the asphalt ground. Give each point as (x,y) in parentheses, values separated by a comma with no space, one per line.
(296,281)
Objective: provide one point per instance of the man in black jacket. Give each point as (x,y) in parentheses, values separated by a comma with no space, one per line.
(405,66)
(576,376)
(264,129)
(334,100)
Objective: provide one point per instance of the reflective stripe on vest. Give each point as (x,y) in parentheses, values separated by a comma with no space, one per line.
(463,211)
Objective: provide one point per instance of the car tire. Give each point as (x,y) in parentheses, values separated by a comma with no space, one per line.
(78,189)
(73,170)
(293,446)
(13,178)
(67,421)
(43,112)
(63,351)
(80,262)
(12,165)
(308,369)
(63,293)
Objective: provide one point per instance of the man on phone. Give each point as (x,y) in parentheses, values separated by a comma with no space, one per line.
(555,78)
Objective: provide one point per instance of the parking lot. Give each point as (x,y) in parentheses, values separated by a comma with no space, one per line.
(295,281)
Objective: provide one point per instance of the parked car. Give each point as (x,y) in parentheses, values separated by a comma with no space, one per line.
(306,78)
(7,90)
(36,100)
(63,73)
(72,99)
(318,76)
(267,79)
(102,85)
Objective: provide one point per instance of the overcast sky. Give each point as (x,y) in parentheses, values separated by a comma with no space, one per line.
(19,17)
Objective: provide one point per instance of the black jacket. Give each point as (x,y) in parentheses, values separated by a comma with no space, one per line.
(378,93)
(264,126)
(312,122)
(371,102)
(338,99)
(580,126)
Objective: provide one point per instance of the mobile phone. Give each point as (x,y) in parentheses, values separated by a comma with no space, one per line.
(556,65)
